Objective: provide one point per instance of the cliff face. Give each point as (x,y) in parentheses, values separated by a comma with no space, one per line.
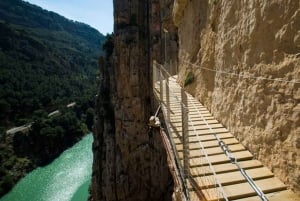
(248,39)
(164,38)
(129,159)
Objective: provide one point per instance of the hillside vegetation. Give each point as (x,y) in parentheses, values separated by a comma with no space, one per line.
(46,62)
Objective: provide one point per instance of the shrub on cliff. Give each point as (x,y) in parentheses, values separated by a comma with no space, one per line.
(189,78)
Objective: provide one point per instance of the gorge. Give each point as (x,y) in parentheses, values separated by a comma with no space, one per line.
(248,40)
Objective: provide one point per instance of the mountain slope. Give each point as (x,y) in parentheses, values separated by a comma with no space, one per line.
(46,62)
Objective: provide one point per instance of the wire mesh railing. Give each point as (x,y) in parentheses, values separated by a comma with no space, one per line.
(208,178)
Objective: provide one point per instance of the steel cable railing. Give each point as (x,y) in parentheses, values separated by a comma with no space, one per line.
(164,77)
(232,158)
(204,159)
(222,144)
(185,170)
(243,75)
(159,78)
(220,193)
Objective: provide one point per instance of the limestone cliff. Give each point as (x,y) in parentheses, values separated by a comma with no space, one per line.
(232,44)
(129,159)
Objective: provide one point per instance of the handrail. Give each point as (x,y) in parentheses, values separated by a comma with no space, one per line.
(233,159)
(181,171)
(209,162)
(164,76)
(160,68)
(178,164)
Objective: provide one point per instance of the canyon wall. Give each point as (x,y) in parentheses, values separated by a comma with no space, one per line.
(236,49)
(129,159)
(164,38)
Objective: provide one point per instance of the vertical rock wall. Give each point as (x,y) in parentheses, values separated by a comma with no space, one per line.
(251,39)
(129,161)
(164,38)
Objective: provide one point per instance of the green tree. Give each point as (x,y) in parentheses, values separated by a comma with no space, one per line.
(4,107)
(108,46)
(48,132)
(90,118)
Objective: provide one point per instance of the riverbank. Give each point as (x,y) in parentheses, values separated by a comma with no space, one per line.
(47,138)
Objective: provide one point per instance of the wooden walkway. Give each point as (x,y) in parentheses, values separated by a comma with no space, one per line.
(209,166)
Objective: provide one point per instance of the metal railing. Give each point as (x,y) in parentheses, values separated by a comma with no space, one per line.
(233,159)
(164,93)
(161,78)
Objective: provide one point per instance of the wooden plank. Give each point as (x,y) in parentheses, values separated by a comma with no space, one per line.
(207,144)
(223,168)
(232,177)
(202,138)
(212,131)
(252,198)
(178,118)
(204,115)
(176,106)
(199,126)
(202,132)
(195,102)
(244,190)
(219,159)
(227,172)
(202,127)
(190,111)
(199,133)
(197,122)
(212,151)
(212,137)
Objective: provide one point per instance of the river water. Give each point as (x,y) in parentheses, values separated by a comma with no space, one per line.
(67,178)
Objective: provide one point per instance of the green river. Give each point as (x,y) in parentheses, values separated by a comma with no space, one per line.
(67,178)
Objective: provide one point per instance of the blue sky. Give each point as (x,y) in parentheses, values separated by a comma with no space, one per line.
(96,13)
